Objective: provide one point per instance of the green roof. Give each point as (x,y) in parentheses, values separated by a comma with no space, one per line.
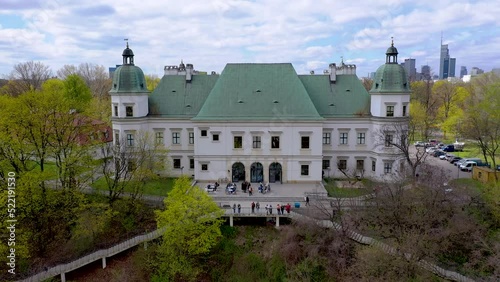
(128,79)
(175,97)
(258,91)
(390,78)
(345,98)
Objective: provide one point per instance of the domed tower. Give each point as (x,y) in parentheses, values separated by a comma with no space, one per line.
(390,93)
(129,94)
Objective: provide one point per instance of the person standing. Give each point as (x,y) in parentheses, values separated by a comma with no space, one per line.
(239,208)
(257,205)
(278,208)
(253,207)
(307,200)
(288,208)
(267,208)
(283,209)
(234,208)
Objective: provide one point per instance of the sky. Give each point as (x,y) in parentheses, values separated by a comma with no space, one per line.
(310,34)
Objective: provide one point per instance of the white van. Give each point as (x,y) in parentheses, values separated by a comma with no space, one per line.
(468,165)
(462,161)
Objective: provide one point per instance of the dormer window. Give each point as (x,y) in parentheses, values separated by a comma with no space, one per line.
(390,111)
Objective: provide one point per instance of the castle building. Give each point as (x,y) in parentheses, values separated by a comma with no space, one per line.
(263,122)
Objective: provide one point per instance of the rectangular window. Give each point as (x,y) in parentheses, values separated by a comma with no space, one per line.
(373,165)
(360,165)
(275,142)
(191,163)
(304,143)
(387,167)
(304,170)
(191,138)
(256,142)
(129,111)
(404,110)
(342,164)
(327,138)
(343,138)
(361,138)
(116,110)
(215,137)
(176,138)
(238,142)
(177,163)
(390,111)
(204,166)
(203,133)
(117,139)
(388,140)
(159,138)
(326,164)
(130,140)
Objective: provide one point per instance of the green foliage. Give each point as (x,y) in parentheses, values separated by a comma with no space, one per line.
(77,92)
(193,225)
(334,191)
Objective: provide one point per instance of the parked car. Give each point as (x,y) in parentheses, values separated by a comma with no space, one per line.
(449,148)
(455,159)
(459,146)
(467,166)
(419,144)
(438,153)
(431,150)
(449,157)
(498,167)
(462,161)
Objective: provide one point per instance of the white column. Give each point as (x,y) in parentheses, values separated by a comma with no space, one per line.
(231,220)
(277,221)
(63,277)
(104,262)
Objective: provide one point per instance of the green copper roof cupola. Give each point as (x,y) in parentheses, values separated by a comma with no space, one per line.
(391,77)
(128,78)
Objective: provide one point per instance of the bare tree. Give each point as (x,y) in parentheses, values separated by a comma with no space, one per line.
(397,135)
(27,76)
(95,76)
(129,163)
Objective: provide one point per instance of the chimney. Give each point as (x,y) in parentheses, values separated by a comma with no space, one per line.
(189,72)
(333,73)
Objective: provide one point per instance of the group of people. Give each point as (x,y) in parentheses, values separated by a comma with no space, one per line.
(264,188)
(280,209)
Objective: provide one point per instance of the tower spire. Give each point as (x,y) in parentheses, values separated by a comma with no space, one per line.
(392,41)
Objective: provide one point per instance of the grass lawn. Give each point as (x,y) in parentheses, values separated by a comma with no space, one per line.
(156,187)
(334,191)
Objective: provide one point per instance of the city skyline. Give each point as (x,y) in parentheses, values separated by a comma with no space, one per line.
(308,34)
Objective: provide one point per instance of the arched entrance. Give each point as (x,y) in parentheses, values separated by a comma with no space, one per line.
(256,172)
(238,172)
(275,172)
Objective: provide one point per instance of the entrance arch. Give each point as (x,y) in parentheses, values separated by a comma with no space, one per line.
(238,172)
(256,172)
(275,173)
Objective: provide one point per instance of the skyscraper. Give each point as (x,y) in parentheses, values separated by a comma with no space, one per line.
(426,72)
(463,71)
(411,71)
(446,64)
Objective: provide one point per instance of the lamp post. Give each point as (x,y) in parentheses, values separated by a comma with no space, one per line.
(182,167)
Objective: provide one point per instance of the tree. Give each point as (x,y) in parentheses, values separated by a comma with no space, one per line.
(77,92)
(397,136)
(430,221)
(424,106)
(26,77)
(481,121)
(130,162)
(447,94)
(192,223)
(95,76)
(152,81)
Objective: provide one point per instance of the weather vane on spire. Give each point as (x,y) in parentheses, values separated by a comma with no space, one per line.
(126,40)
(392,40)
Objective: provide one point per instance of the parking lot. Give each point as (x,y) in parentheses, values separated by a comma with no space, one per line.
(451,170)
